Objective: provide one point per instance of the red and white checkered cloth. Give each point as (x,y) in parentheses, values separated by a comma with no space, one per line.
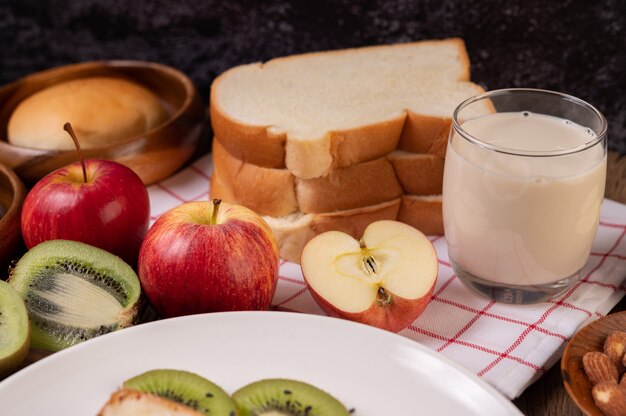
(509,346)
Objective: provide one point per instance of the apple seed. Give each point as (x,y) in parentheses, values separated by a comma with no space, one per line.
(370,264)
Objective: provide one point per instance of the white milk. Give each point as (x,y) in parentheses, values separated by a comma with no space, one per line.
(522,220)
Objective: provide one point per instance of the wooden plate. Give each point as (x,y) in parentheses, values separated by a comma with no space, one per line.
(153,155)
(590,338)
(12,194)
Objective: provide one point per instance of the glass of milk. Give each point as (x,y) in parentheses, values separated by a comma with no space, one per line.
(523,184)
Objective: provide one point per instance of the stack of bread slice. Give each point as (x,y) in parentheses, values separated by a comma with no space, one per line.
(336,140)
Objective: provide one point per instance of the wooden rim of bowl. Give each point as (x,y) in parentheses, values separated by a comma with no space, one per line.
(19,193)
(589,338)
(186,82)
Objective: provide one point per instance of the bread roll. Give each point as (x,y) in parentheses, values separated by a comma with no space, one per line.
(101,110)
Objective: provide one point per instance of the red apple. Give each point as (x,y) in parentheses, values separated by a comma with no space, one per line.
(111,210)
(200,257)
(101,203)
(386,279)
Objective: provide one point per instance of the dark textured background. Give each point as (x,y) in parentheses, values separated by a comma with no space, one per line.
(577,47)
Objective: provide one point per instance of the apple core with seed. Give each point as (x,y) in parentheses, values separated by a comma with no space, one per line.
(385,279)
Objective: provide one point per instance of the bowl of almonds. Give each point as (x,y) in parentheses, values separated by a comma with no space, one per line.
(593,367)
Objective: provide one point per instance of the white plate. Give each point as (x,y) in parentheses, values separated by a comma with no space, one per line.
(376,372)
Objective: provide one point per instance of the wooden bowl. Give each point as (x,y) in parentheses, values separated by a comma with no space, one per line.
(12,194)
(153,155)
(590,338)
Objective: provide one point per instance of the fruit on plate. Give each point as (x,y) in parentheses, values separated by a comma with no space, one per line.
(286,397)
(208,257)
(14,329)
(186,388)
(385,279)
(127,402)
(98,202)
(73,292)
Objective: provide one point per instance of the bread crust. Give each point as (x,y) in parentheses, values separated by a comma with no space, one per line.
(217,190)
(355,186)
(310,159)
(266,146)
(277,192)
(249,143)
(419,174)
(425,134)
(267,191)
(423,213)
(354,221)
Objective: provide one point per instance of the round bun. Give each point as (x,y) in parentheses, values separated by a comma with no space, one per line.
(101,110)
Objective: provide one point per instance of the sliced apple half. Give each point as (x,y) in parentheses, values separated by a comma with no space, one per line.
(385,279)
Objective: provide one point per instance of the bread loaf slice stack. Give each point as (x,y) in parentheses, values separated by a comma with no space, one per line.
(336,140)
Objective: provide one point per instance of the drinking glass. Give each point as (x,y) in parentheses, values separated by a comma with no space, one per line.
(523,185)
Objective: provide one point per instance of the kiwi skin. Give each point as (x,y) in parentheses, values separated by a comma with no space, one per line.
(288,397)
(12,304)
(185,388)
(37,273)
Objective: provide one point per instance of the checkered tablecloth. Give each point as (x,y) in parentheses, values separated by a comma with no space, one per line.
(509,346)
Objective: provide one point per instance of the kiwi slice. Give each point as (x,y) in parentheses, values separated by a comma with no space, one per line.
(74,292)
(283,397)
(186,388)
(14,329)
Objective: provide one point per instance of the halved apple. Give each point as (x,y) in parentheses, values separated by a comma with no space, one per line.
(386,279)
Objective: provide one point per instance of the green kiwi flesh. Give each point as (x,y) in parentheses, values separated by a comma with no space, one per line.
(186,388)
(74,292)
(14,329)
(274,397)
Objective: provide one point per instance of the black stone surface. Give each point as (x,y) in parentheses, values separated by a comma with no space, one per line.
(577,47)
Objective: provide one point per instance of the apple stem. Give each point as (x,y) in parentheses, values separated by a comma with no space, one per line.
(216,208)
(68,128)
(383,297)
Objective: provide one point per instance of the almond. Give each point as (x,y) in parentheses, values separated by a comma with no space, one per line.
(599,367)
(614,347)
(609,398)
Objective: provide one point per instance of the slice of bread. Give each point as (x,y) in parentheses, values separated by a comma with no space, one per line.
(419,174)
(267,191)
(277,192)
(423,213)
(126,402)
(317,112)
(295,230)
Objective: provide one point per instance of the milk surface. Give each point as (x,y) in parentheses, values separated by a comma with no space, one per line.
(522,220)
